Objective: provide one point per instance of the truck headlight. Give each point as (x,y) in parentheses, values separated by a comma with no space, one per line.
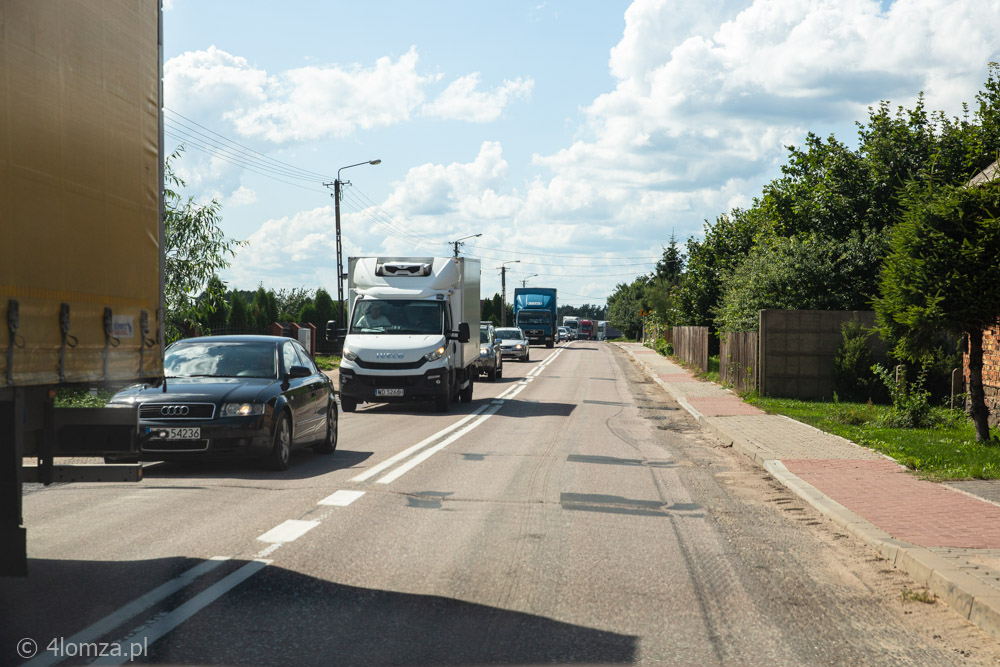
(347,354)
(242,409)
(435,355)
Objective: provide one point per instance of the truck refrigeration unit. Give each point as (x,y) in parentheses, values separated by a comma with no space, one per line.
(409,335)
(535,312)
(81,238)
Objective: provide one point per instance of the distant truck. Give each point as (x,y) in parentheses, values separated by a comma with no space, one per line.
(81,238)
(605,331)
(571,322)
(535,312)
(409,335)
(585,330)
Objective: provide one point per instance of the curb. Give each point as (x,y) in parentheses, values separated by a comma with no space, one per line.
(976,601)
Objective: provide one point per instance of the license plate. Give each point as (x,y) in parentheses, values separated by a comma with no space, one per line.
(175,433)
(389,392)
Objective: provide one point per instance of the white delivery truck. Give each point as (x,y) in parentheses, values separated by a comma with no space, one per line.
(409,331)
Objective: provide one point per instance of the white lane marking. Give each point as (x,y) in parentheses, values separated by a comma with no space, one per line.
(268,550)
(423,456)
(371,472)
(147,635)
(134,608)
(289,531)
(341,498)
(517,390)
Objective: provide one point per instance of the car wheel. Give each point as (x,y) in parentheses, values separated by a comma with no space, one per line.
(348,404)
(527,355)
(466,394)
(281,452)
(500,367)
(328,445)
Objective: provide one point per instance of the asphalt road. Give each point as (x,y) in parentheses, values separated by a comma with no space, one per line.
(570,514)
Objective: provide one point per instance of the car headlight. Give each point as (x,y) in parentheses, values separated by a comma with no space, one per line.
(435,355)
(518,346)
(242,409)
(347,354)
(484,352)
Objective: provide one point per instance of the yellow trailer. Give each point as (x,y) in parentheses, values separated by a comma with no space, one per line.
(81,233)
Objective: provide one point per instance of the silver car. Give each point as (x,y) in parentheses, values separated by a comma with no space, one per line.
(513,343)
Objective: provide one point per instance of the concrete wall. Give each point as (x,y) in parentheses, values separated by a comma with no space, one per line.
(797,348)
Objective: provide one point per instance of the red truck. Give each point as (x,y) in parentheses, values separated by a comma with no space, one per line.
(585,330)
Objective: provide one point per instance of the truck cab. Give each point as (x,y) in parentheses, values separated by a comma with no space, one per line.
(409,335)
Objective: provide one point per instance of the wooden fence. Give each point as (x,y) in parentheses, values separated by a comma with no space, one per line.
(738,360)
(691,345)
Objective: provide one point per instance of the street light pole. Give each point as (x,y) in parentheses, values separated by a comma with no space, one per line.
(337,185)
(524,283)
(503,291)
(462,239)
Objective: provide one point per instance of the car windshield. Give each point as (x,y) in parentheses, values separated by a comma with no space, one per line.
(509,334)
(484,336)
(220,359)
(398,316)
(534,318)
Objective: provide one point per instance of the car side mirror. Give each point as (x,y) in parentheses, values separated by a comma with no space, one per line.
(298,372)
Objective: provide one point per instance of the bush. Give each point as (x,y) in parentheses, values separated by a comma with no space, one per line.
(664,348)
(911,407)
(852,366)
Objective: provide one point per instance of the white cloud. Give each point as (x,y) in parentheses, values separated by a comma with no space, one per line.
(462,101)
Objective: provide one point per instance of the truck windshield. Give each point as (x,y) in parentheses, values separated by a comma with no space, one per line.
(398,316)
(543,317)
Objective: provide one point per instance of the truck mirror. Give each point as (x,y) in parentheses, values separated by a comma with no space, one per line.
(464,333)
(331,330)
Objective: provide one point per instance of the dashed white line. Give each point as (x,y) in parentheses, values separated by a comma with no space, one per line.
(341,498)
(289,531)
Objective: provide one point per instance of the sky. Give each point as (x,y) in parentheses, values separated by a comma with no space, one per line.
(575,137)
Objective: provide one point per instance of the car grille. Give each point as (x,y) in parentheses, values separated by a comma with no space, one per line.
(176,411)
(397,366)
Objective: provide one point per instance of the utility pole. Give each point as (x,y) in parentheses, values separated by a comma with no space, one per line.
(337,186)
(462,239)
(503,291)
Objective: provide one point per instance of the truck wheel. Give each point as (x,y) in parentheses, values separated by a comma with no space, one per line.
(281,452)
(443,402)
(466,394)
(549,344)
(348,404)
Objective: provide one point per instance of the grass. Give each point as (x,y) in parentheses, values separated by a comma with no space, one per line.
(327,362)
(924,596)
(82,398)
(948,451)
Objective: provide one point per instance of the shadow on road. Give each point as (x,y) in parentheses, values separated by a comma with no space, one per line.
(282,617)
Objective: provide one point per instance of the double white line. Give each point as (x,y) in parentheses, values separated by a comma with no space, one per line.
(448,435)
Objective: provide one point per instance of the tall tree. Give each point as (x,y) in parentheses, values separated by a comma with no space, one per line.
(195,250)
(942,273)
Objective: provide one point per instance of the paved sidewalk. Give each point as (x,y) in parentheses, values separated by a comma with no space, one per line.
(945,536)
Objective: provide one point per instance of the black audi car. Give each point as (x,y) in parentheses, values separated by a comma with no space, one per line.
(235,396)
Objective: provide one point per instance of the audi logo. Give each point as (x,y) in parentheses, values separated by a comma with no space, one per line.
(174,410)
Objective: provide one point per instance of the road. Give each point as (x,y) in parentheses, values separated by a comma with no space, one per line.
(570,514)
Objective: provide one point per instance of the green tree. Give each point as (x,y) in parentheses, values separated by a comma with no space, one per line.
(942,274)
(326,308)
(239,312)
(214,304)
(625,306)
(195,250)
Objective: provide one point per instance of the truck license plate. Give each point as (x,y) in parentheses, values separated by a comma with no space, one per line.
(176,433)
(389,392)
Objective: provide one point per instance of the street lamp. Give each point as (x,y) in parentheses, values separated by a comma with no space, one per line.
(524,283)
(340,258)
(503,289)
(462,239)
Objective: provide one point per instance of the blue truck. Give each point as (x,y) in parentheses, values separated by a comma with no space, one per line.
(535,313)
